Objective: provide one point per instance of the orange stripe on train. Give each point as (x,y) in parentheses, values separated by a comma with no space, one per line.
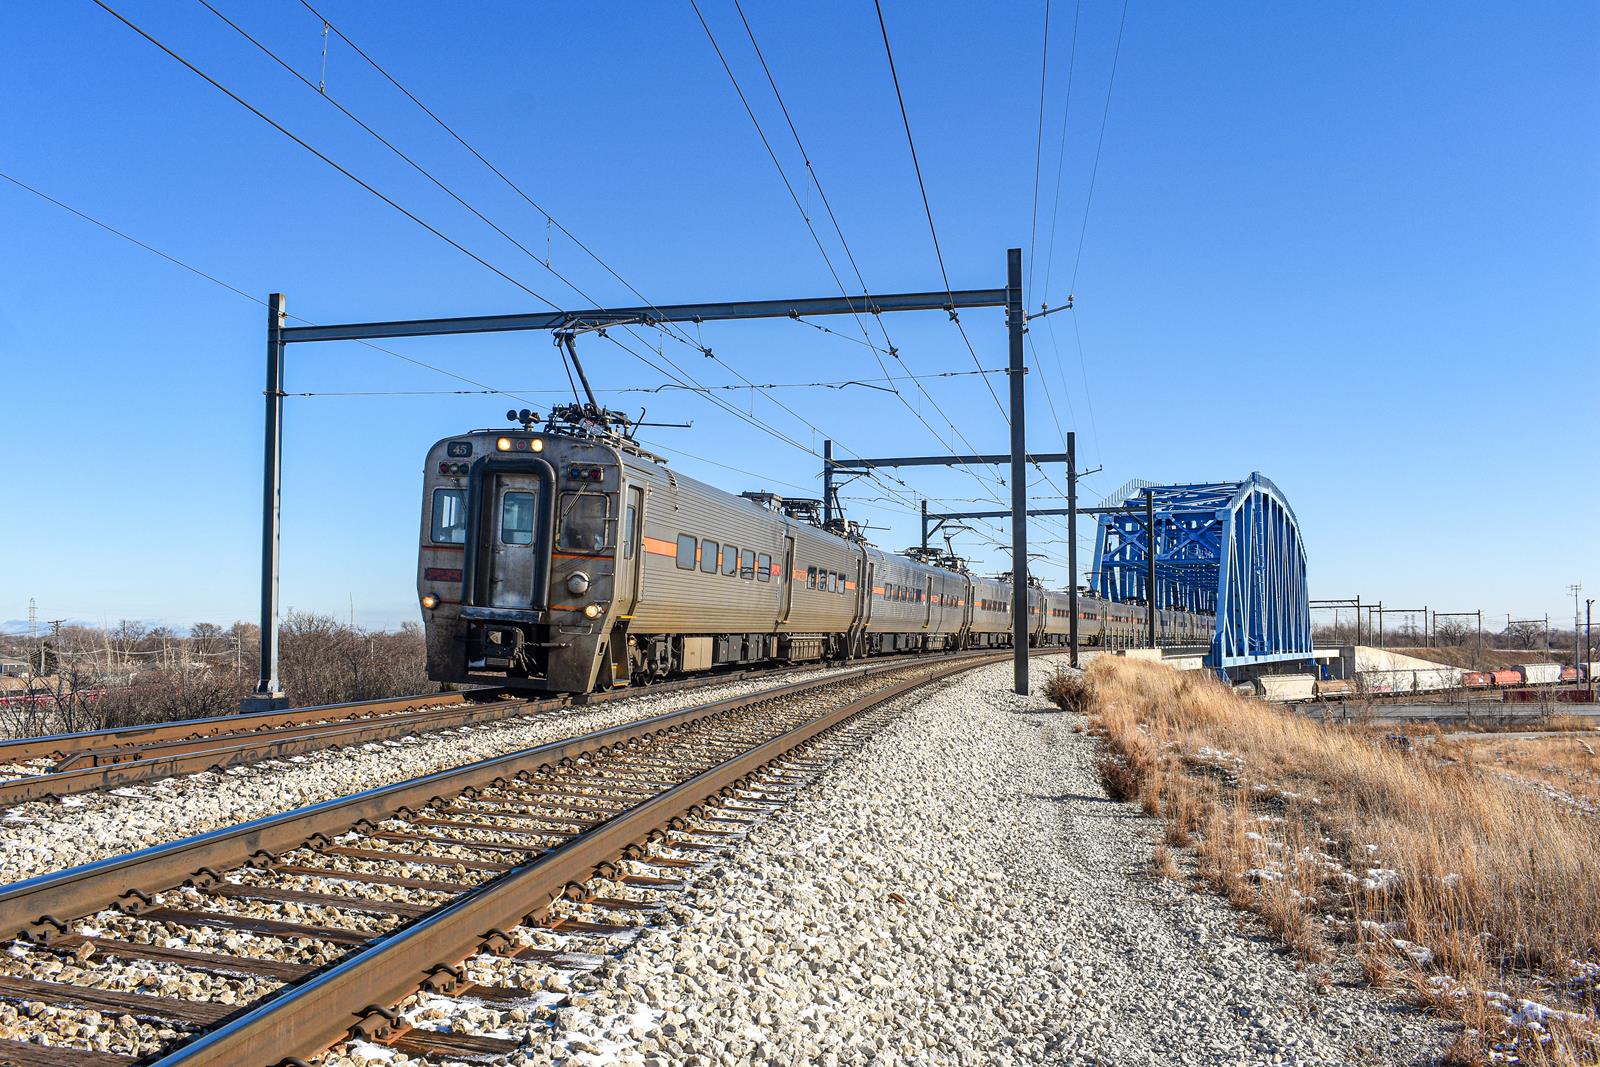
(657,547)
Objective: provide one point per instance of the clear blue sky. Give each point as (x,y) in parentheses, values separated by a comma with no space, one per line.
(1355,247)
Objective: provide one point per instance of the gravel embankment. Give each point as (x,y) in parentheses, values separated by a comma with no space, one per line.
(963,892)
(49,835)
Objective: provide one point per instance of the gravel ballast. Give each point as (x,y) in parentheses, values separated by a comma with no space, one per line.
(48,835)
(962,891)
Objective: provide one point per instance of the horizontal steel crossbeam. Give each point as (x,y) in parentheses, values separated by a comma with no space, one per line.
(940,461)
(652,314)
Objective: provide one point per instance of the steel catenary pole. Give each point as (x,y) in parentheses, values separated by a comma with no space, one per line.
(1015,323)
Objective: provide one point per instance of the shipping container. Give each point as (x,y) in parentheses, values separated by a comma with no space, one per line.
(1287,688)
(1538,673)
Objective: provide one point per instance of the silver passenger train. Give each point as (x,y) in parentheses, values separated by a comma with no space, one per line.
(572,560)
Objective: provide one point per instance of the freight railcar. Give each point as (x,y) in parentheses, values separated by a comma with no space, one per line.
(570,560)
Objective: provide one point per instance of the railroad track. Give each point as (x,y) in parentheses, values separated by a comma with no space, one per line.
(284,936)
(57,765)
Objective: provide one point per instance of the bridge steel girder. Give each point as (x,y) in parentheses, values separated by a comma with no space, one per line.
(1232,549)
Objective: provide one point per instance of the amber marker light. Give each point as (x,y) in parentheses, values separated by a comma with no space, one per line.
(430,601)
(591,611)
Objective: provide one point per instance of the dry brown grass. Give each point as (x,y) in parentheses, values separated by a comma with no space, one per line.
(1069,692)
(1568,764)
(1460,872)
(1164,864)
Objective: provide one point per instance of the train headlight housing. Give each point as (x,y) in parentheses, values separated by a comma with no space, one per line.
(591,611)
(578,584)
(503,444)
(430,601)
(536,445)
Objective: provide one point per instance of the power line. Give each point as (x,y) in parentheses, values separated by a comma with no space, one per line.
(868,383)
(928,208)
(805,216)
(235,289)
(419,168)
(1094,172)
(676,332)
(422,223)
(1038,148)
(479,156)
(751,420)
(258,113)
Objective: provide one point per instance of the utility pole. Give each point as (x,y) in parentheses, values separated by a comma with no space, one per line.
(33,634)
(1150,564)
(1072,546)
(1575,588)
(269,690)
(1016,326)
(1588,644)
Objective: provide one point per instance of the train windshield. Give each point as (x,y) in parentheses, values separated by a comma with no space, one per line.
(583,522)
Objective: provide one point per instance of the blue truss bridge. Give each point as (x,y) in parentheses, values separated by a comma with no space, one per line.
(1229,549)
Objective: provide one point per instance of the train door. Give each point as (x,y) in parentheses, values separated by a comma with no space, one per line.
(864,589)
(630,567)
(788,579)
(513,553)
(927,601)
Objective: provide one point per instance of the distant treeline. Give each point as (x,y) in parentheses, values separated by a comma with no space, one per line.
(87,678)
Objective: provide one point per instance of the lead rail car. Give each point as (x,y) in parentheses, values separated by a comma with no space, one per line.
(571,561)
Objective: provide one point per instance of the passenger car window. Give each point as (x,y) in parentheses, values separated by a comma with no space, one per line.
(811,577)
(628,534)
(730,559)
(708,556)
(686,545)
(583,521)
(516,518)
(449,518)
(747,563)
(764,567)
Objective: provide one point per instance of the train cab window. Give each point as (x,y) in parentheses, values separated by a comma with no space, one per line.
(516,518)
(686,553)
(730,560)
(583,521)
(811,577)
(764,567)
(449,517)
(708,556)
(747,563)
(630,531)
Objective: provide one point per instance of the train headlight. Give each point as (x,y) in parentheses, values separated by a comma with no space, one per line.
(578,584)
(536,445)
(503,444)
(430,601)
(591,611)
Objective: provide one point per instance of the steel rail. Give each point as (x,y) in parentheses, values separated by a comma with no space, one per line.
(190,756)
(352,995)
(165,750)
(60,745)
(39,908)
